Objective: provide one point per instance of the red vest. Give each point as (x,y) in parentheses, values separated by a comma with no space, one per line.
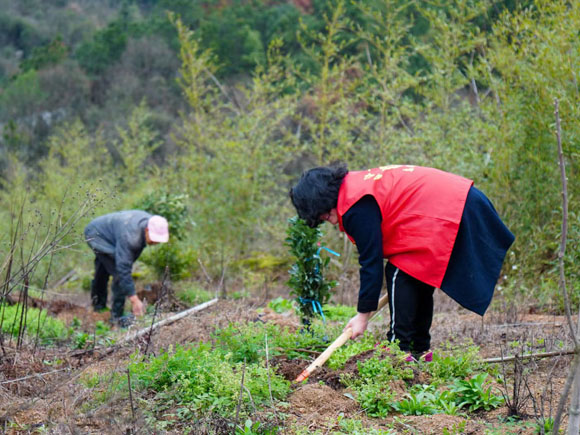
(421,210)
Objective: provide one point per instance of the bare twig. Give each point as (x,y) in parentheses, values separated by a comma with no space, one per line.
(511,325)
(251,398)
(232,100)
(131,399)
(268,371)
(42,300)
(157,303)
(36,375)
(241,395)
(67,277)
(207,277)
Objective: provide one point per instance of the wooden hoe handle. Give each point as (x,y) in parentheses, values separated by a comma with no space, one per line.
(343,338)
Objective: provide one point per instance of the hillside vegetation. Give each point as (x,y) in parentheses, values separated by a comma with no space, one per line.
(208,111)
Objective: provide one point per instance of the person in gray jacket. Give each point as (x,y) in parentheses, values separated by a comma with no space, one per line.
(117,239)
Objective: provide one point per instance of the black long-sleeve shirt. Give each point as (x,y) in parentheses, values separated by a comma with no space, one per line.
(363,223)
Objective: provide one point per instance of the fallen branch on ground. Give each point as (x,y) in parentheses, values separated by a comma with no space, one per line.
(168,321)
(527,356)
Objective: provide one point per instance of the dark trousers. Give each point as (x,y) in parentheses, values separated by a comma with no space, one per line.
(411,306)
(104,268)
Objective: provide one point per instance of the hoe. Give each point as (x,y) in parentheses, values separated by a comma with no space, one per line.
(343,338)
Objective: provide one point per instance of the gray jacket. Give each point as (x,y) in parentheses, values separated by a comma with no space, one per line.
(122,236)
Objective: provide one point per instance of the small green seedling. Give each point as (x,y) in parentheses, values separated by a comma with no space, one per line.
(473,394)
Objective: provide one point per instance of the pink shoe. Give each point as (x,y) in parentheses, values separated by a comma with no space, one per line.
(427,356)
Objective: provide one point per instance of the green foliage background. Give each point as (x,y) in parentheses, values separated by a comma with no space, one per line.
(237,100)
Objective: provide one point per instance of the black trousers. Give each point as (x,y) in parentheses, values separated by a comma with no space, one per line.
(411,306)
(104,268)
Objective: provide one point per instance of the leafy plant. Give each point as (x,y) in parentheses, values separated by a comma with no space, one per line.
(202,380)
(255,428)
(545,426)
(193,295)
(100,336)
(357,427)
(446,401)
(307,280)
(473,394)
(339,312)
(180,258)
(280,305)
(248,341)
(351,348)
(454,362)
(376,399)
(374,377)
(417,403)
(456,428)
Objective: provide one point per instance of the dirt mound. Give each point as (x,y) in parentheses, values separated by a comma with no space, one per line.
(318,402)
(289,368)
(285,320)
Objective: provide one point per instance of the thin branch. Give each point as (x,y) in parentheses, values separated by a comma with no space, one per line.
(131,399)
(241,394)
(268,371)
(36,375)
(562,250)
(527,356)
(207,277)
(157,304)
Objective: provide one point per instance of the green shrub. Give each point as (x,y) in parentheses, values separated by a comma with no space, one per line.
(193,295)
(172,206)
(46,55)
(307,280)
(180,258)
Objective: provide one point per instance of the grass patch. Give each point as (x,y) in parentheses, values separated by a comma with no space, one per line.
(191,381)
(49,329)
(194,295)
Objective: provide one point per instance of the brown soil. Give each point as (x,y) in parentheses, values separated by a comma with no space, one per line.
(39,389)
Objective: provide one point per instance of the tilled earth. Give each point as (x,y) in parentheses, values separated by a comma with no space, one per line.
(37,396)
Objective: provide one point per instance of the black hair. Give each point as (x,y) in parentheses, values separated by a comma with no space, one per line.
(316,193)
